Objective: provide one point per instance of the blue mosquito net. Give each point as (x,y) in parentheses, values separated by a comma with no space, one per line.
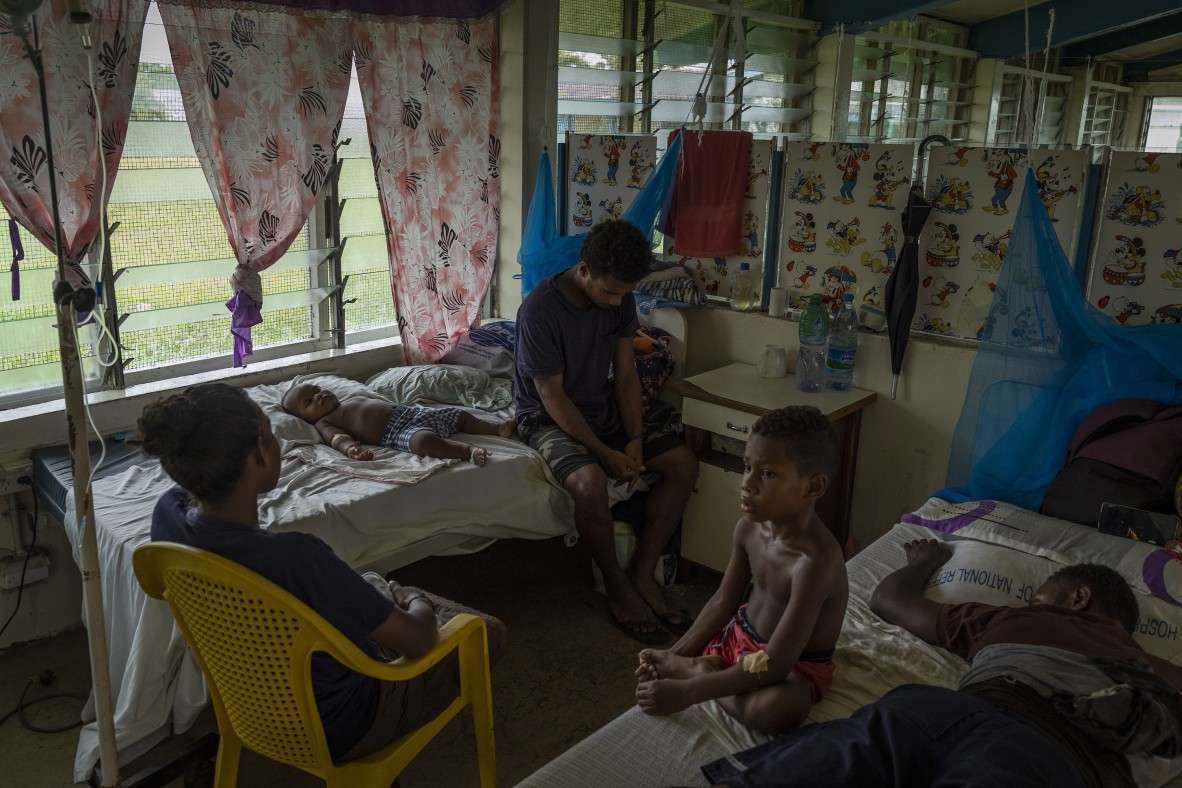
(544,253)
(1047,359)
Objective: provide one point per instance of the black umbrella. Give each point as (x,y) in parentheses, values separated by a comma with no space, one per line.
(903,284)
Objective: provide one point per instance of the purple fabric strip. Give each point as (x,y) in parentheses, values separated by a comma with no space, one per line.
(952,524)
(244,313)
(450,9)
(18,254)
(1153,572)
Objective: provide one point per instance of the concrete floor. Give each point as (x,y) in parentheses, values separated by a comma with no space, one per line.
(566,672)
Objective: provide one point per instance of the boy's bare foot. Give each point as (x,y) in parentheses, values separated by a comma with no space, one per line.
(674,666)
(479,456)
(507,428)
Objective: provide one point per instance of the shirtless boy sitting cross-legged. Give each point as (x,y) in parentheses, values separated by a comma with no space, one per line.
(768,660)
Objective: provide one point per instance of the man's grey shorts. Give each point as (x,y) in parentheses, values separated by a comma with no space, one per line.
(565,455)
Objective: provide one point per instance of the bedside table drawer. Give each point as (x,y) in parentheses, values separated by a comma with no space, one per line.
(718,419)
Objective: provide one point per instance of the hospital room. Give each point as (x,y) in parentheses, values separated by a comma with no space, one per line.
(556,394)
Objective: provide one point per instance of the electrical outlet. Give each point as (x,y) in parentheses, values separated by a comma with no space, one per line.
(12,566)
(10,472)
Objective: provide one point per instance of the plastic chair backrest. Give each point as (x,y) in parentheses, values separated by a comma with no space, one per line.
(254,640)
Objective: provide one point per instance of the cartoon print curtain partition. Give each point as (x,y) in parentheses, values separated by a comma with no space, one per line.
(24,169)
(1136,270)
(264,91)
(714,273)
(605,173)
(975,193)
(430,93)
(841,219)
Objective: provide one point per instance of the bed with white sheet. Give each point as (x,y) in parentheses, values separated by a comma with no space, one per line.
(1000,555)
(378,515)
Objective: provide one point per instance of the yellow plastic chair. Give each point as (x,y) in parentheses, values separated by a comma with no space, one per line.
(254,642)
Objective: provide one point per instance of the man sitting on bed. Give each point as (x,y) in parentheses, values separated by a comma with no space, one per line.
(578,405)
(798,597)
(1057,694)
(377,421)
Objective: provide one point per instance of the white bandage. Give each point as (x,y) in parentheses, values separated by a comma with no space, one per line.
(337,437)
(755,662)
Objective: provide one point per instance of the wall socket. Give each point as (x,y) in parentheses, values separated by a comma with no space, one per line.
(11,567)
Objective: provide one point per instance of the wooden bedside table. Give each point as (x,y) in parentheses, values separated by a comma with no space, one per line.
(727,401)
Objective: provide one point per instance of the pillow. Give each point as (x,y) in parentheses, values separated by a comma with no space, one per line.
(448,383)
(488,348)
(293,431)
(1004,550)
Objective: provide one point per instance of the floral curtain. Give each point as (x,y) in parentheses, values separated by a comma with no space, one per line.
(264,91)
(430,96)
(24,164)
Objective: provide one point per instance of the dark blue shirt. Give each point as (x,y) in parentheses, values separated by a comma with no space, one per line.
(311,571)
(555,336)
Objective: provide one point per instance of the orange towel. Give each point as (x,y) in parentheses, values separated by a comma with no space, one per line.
(705,216)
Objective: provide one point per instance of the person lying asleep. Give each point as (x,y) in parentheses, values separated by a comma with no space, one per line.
(766,661)
(346,425)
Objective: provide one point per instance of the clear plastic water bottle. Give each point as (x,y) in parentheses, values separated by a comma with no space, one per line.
(843,346)
(814,337)
(743,289)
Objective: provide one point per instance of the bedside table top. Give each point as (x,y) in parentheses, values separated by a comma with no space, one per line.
(739,386)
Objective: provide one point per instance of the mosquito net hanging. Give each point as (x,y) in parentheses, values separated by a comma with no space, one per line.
(1047,358)
(542,254)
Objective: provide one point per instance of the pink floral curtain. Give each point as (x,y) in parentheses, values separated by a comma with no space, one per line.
(430,96)
(264,91)
(24,162)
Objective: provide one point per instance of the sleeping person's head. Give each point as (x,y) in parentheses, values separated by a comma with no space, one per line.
(1091,587)
(309,402)
(208,438)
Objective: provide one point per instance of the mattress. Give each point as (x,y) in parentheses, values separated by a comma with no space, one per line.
(1002,551)
(53,472)
(156,685)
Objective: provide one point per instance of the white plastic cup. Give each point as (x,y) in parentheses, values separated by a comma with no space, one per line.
(777,305)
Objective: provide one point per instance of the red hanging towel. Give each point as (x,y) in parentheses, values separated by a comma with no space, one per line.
(705,215)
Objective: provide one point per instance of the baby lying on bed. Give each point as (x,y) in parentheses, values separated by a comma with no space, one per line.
(346,425)
(766,661)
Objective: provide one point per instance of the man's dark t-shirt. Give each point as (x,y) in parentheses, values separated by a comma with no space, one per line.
(555,336)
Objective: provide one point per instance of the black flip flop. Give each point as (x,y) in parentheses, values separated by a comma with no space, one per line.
(677,622)
(657,637)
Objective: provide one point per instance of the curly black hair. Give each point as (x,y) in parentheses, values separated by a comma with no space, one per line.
(617,248)
(202,437)
(808,437)
(1111,595)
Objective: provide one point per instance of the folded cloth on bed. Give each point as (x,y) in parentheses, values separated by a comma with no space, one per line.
(387,465)
(451,384)
(676,288)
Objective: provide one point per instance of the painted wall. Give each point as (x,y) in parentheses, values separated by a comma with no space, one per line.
(903,454)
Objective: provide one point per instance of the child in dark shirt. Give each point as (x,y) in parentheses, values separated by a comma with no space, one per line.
(346,424)
(217,444)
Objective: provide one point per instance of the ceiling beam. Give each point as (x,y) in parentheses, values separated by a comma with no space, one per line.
(1139,69)
(1123,39)
(858,16)
(1075,20)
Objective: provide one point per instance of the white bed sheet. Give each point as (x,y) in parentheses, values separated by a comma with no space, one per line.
(636,750)
(156,685)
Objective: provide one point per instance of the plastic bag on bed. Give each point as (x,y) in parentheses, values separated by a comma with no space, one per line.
(1047,358)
